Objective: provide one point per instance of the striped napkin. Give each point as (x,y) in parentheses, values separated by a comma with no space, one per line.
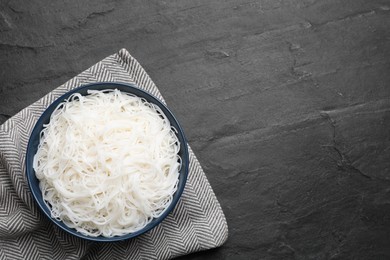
(197,222)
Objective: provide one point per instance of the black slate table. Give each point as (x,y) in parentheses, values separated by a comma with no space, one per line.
(285,103)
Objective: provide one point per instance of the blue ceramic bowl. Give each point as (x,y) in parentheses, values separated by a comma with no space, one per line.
(32,147)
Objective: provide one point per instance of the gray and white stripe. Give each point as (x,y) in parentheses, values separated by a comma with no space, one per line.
(197,222)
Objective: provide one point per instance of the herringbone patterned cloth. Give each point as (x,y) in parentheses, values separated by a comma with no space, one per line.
(197,222)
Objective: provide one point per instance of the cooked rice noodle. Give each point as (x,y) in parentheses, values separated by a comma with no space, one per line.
(107,163)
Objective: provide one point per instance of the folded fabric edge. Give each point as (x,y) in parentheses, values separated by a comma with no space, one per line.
(141,74)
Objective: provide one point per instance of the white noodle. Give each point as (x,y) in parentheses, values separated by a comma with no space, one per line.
(107,163)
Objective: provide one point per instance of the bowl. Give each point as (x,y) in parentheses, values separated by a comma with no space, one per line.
(33,143)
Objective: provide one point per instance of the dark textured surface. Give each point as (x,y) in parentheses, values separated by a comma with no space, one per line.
(285,103)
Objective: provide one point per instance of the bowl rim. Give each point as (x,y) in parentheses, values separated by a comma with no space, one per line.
(36,192)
